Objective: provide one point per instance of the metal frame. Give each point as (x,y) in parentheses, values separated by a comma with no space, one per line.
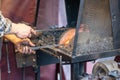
(78,62)
(37,11)
(78,66)
(114,8)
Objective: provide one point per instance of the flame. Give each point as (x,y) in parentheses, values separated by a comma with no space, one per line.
(67,42)
(68,36)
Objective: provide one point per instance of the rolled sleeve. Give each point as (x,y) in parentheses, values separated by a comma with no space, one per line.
(5,25)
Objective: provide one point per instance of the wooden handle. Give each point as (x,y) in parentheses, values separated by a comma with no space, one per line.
(13,38)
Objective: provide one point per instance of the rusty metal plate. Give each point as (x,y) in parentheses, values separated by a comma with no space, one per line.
(96,15)
(98,38)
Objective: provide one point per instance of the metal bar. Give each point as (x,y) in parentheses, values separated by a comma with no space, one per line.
(8,61)
(47,46)
(76,68)
(61,51)
(60,67)
(37,75)
(91,57)
(50,53)
(81,7)
(37,10)
(23,73)
(51,29)
(115,19)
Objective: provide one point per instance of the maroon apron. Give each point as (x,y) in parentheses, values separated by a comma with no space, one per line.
(24,11)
